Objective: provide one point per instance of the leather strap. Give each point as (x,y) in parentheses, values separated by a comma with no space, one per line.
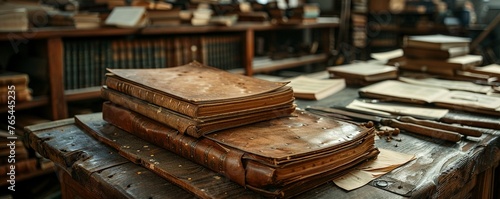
(233,166)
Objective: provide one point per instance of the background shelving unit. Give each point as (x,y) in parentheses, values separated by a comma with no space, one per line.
(52,42)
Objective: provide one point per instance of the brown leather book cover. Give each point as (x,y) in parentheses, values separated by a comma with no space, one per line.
(191,126)
(423,53)
(197,90)
(201,109)
(278,158)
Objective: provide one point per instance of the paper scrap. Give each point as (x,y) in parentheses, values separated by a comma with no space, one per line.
(386,161)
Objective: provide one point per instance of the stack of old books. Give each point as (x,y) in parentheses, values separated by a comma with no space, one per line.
(196,99)
(437,54)
(14,88)
(244,128)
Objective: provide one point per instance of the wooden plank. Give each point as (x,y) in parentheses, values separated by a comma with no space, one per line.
(93,165)
(485,184)
(55,54)
(195,178)
(186,173)
(249,52)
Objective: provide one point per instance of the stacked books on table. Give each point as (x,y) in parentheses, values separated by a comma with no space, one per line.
(244,128)
(196,99)
(437,54)
(363,73)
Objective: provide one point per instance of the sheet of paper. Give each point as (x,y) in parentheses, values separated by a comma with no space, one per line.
(469,99)
(364,68)
(405,91)
(126,16)
(386,161)
(420,112)
(492,68)
(448,84)
(385,56)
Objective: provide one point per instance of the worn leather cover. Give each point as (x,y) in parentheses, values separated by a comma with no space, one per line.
(278,158)
(195,127)
(211,84)
(201,109)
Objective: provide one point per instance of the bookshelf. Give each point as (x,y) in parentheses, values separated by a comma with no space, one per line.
(379,26)
(53,41)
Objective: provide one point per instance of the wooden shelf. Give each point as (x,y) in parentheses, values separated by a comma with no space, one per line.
(51,32)
(83,94)
(35,102)
(266,65)
(54,39)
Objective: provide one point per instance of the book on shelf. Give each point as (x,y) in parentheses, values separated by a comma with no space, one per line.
(60,19)
(275,157)
(423,53)
(14,87)
(437,41)
(363,72)
(201,15)
(164,17)
(441,97)
(7,147)
(224,20)
(253,16)
(127,17)
(14,20)
(222,99)
(83,20)
(315,89)
(14,78)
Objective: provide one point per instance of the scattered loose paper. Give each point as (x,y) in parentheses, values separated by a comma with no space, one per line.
(386,161)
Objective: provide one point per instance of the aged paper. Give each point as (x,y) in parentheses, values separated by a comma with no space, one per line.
(405,91)
(492,68)
(448,84)
(468,99)
(386,161)
(434,113)
(385,56)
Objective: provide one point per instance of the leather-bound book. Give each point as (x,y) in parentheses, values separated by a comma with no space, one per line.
(192,126)
(197,90)
(281,157)
(185,97)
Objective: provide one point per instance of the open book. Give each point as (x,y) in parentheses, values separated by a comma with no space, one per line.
(405,92)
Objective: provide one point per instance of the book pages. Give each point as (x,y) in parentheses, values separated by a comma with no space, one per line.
(386,161)
(405,91)
(434,113)
(448,84)
(474,100)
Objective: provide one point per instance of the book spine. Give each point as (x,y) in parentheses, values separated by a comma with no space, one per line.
(14,79)
(227,161)
(157,113)
(152,97)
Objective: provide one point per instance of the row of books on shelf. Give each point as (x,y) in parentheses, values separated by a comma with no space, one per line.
(147,13)
(85,61)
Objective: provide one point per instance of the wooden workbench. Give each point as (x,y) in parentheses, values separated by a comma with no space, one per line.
(89,168)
